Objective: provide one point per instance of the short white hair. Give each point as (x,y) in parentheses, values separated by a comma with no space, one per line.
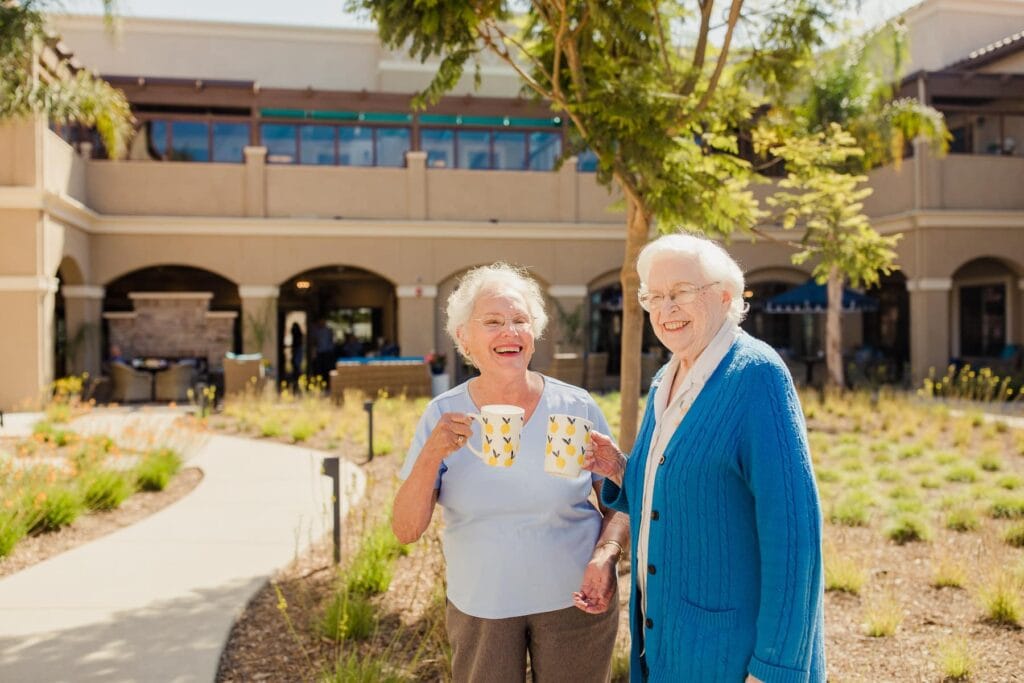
(714,262)
(497,278)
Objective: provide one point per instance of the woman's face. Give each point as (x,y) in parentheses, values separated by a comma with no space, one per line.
(499,333)
(685,328)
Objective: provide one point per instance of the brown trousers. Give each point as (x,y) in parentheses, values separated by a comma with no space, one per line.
(565,646)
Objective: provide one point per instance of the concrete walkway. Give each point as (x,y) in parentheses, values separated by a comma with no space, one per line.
(156,601)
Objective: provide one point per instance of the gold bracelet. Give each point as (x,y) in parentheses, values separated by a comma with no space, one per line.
(614,543)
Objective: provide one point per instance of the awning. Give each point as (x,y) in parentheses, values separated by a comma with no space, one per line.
(810,297)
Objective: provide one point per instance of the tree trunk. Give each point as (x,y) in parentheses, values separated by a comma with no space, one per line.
(833,330)
(632,322)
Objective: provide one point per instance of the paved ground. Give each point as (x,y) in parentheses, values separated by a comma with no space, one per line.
(156,601)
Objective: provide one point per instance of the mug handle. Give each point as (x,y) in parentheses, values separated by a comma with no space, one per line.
(469,443)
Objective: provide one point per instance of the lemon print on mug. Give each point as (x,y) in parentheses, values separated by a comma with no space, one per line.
(500,430)
(559,460)
(567,439)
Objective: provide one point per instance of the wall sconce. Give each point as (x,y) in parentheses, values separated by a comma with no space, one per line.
(303,284)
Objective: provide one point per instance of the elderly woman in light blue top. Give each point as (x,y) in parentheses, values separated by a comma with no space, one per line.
(723,507)
(520,545)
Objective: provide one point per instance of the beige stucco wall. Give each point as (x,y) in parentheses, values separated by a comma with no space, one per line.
(166,189)
(19,234)
(977,182)
(350,192)
(63,168)
(1013,64)
(19,142)
(944,31)
(25,348)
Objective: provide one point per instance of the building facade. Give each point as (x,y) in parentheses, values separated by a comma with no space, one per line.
(280,178)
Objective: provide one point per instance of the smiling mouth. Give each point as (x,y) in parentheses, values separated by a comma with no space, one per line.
(675,325)
(509,350)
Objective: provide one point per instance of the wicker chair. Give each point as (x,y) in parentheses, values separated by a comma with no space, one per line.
(173,383)
(243,373)
(411,378)
(567,367)
(130,384)
(597,371)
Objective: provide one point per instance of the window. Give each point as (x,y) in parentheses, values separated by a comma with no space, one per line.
(982,320)
(474,149)
(158,139)
(279,139)
(190,141)
(510,150)
(229,141)
(586,162)
(392,144)
(439,144)
(355,146)
(545,148)
(316,145)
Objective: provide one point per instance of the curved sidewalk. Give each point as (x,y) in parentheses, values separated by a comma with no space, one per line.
(156,601)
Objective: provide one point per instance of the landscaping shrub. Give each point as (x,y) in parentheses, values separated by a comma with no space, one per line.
(1015,535)
(843,574)
(356,668)
(908,528)
(955,660)
(962,519)
(949,573)
(853,509)
(12,529)
(882,617)
(1007,507)
(59,507)
(156,469)
(1001,599)
(105,489)
(348,616)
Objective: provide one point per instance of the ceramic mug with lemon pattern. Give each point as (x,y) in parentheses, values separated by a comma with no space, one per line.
(500,429)
(567,436)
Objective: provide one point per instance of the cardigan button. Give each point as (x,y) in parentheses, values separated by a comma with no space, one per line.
(654,515)
(649,623)
(661,460)
(651,569)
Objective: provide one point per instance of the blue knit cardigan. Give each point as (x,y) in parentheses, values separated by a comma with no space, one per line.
(734,580)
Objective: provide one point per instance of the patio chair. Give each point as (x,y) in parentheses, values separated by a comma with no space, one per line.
(243,373)
(567,367)
(130,384)
(597,370)
(173,383)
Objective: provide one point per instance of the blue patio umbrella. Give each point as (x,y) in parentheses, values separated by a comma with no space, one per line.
(810,297)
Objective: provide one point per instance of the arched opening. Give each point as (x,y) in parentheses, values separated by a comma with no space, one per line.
(331,312)
(790,334)
(604,328)
(983,300)
(65,342)
(168,313)
(887,330)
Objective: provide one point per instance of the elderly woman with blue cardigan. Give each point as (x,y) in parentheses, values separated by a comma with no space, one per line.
(724,514)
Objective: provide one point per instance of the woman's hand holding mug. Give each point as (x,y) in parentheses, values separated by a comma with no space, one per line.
(603,457)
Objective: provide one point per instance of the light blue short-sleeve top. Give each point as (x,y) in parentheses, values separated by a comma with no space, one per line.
(516,540)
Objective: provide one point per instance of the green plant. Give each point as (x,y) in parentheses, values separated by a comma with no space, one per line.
(105,489)
(882,617)
(990,462)
(371,569)
(853,509)
(354,667)
(965,474)
(1010,482)
(13,528)
(955,660)
(1001,600)
(59,507)
(843,574)
(348,616)
(963,519)
(156,469)
(949,573)
(1007,507)
(907,528)
(270,428)
(301,429)
(1015,535)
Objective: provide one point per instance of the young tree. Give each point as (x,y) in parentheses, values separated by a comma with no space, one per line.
(653,88)
(848,124)
(60,92)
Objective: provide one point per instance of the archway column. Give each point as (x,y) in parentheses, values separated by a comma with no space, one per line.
(83,314)
(932,325)
(259,320)
(26,347)
(416,318)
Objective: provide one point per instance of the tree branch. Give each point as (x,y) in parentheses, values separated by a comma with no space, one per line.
(662,41)
(734,15)
(700,51)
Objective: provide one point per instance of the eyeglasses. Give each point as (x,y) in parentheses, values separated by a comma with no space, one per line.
(680,294)
(497,322)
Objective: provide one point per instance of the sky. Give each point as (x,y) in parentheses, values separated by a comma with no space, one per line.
(330,12)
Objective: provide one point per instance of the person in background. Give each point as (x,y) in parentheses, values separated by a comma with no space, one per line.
(723,507)
(116,355)
(520,545)
(298,349)
(323,349)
